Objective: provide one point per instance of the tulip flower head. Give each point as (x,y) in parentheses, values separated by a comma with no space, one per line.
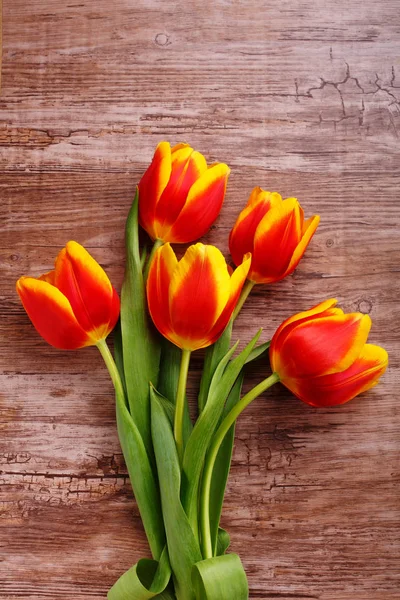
(322,356)
(275,232)
(74,305)
(191,301)
(179,195)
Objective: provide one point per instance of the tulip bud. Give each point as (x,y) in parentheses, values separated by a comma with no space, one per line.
(321,355)
(276,234)
(179,196)
(191,301)
(74,305)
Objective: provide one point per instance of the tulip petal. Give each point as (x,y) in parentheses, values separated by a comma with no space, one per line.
(202,206)
(49,277)
(51,314)
(199,291)
(238,278)
(321,346)
(152,185)
(81,279)
(187,167)
(276,238)
(308,232)
(158,283)
(241,238)
(338,388)
(286,326)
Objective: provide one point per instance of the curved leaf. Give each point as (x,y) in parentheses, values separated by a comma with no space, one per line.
(147,579)
(220,578)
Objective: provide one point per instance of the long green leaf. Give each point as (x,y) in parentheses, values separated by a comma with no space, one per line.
(261,351)
(212,358)
(118,355)
(169,408)
(141,353)
(144,483)
(222,467)
(183,548)
(220,578)
(147,579)
(224,378)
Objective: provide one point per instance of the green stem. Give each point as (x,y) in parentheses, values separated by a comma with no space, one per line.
(112,367)
(212,454)
(156,246)
(180,402)
(248,286)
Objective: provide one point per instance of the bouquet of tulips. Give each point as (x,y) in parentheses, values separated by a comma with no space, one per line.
(179,468)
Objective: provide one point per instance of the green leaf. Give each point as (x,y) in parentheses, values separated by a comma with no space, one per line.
(143,257)
(141,353)
(261,351)
(222,467)
(183,548)
(221,384)
(220,578)
(224,541)
(169,408)
(142,478)
(119,360)
(212,358)
(147,579)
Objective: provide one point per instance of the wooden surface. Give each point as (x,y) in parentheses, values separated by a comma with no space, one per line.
(298,97)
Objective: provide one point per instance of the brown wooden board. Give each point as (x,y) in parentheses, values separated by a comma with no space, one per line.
(297,97)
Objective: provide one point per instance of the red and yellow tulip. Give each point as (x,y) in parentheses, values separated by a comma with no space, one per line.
(74,305)
(275,232)
(179,195)
(322,356)
(191,301)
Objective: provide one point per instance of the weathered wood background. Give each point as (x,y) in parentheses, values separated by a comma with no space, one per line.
(298,97)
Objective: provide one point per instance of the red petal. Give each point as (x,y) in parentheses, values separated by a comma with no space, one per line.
(241,239)
(158,283)
(51,314)
(187,167)
(93,300)
(202,207)
(339,388)
(276,239)
(199,292)
(152,185)
(238,277)
(283,330)
(321,346)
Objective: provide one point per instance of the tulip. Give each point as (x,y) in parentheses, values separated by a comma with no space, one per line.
(179,196)
(74,305)
(276,234)
(191,302)
(321,355)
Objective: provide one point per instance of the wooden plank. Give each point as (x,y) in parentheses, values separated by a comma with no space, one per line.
(302,98)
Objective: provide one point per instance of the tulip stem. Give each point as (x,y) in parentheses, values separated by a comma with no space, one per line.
(206,542)
(156,246)
(180,402)
(248,286)
(112,367)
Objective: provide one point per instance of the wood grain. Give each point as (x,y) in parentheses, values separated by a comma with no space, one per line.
(298,97)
